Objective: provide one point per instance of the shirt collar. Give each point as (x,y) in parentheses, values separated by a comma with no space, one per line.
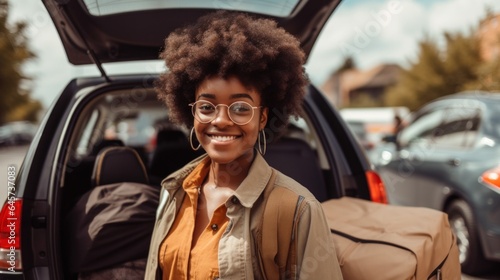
(174,180)
(247,193)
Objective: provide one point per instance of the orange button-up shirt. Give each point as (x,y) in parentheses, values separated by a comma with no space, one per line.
(179,259)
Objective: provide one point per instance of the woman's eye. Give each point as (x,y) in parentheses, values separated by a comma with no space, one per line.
(206,108)
(240,108)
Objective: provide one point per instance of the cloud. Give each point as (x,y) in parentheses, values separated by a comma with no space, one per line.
(372,33)
(353,30)
(459,15)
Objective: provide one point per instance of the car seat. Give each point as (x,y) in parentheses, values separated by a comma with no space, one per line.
(296,159)
(118,164)
(172,152)
(104,143)
(110,227)
(77,179)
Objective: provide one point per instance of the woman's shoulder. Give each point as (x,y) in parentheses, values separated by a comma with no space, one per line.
(289,183)
(309,208)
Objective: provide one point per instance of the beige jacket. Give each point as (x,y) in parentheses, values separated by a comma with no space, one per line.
(238,259)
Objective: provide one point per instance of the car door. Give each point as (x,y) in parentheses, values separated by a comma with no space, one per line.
(430,168)
(350,171)
(402,173)
(444,165)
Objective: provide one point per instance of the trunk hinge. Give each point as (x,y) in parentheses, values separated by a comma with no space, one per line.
(96,61)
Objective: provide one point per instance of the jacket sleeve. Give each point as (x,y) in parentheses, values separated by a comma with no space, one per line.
(316,257)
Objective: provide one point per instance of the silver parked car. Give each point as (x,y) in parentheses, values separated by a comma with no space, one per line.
(448,158)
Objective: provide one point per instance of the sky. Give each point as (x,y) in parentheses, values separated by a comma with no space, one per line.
(371,31)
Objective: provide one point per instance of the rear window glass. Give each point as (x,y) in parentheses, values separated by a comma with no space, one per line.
(268,7)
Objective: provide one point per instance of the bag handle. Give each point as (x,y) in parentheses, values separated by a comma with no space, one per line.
(277,246)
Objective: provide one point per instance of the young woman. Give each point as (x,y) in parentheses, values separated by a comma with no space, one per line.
(230,78)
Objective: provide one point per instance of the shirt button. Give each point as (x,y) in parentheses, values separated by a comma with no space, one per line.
(235,200)
(215,227)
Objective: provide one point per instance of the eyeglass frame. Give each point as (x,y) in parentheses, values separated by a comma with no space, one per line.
(217,111)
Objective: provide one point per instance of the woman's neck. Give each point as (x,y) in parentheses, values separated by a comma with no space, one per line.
(230,175)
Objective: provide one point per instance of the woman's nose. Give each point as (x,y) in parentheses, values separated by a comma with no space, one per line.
(222,117)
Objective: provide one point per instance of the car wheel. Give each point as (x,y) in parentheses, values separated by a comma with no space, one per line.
(464,227)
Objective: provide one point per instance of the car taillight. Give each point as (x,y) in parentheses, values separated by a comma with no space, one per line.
(10,235)
(376,186)
(492,177)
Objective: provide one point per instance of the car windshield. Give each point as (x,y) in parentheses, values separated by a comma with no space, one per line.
(268,7)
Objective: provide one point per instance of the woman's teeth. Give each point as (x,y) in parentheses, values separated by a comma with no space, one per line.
(222,138)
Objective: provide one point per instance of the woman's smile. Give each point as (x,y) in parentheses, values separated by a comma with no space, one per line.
(218,138)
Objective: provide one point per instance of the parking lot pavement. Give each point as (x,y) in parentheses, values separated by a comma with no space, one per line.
(13,156)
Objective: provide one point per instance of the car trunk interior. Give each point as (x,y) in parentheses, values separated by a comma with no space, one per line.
(134,118)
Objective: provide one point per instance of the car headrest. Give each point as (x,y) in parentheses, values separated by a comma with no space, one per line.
(118,164)
(106,143)
(167,136)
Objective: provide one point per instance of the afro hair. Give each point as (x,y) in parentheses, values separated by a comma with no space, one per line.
(263,56)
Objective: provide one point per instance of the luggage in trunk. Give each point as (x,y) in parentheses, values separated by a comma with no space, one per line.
(377,241)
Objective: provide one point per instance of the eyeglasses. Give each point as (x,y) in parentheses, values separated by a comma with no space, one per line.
(239,112)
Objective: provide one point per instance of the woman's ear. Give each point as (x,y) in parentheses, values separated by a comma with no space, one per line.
(263,118)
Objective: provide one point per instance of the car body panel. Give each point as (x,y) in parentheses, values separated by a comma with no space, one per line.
(90,39)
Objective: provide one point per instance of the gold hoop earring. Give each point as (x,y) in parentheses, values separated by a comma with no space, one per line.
(191,141)
(262,148)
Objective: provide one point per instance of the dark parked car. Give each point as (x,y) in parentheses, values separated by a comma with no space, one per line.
(64,161)
(448,158)
(17,133)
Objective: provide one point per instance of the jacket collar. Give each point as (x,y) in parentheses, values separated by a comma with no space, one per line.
(248,191)
(255,182)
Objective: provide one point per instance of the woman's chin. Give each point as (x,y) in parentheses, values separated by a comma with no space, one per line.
(227,155)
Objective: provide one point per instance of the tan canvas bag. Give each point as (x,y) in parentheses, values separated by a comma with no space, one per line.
(377,241)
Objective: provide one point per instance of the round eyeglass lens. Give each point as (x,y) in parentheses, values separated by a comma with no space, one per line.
(204,111)
(239,112)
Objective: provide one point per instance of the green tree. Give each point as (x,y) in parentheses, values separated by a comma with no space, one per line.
(488,72)
(437,72)
(15,100)
(463,60)
(488,76)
